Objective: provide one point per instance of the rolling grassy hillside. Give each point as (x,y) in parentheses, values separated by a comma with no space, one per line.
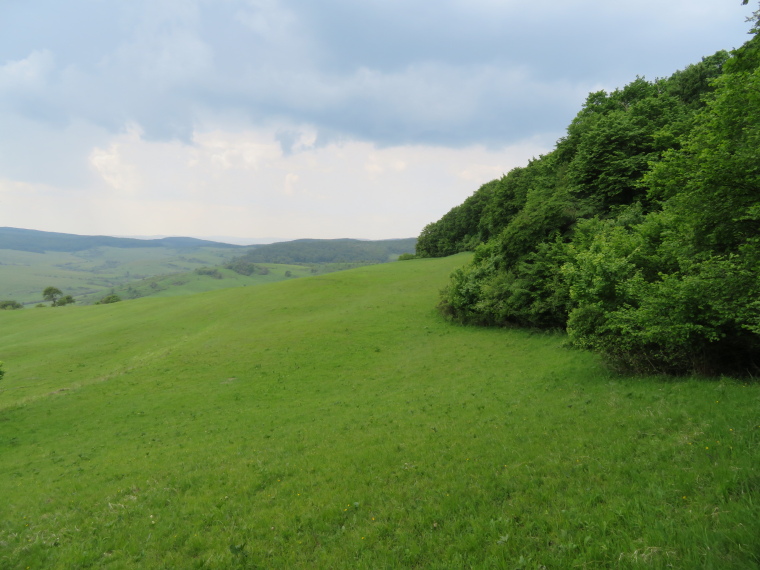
(90,267)
(338,422)
(93,272)
(191,283)
(39,242)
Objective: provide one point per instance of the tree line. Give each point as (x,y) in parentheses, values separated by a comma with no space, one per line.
(309,251)
(639,233)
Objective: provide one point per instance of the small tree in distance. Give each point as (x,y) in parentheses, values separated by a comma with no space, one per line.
(52,294)
(56,297)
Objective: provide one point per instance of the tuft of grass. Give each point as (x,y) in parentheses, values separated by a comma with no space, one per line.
(337,421)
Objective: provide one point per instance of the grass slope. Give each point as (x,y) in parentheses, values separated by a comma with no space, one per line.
(338,422)
(192,283)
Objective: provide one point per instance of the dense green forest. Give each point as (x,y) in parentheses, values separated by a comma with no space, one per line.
(639,233)
(331,251)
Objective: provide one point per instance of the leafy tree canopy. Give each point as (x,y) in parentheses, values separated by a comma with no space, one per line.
(56,297)
(639,233)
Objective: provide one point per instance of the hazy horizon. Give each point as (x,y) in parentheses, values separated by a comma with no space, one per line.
(232,240)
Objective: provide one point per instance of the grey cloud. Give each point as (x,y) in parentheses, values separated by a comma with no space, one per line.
(393,72)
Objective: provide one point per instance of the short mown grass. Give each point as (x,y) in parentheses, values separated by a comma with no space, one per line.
(338,421)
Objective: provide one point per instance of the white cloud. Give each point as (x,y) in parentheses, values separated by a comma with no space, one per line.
(30,73)
(241,183)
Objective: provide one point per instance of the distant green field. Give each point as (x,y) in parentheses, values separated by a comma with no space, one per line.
(337,421)
(23,274)
(89,275)
(191,283)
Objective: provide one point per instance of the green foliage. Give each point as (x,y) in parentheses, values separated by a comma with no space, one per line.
(321,251)
(618,136)
(639,233)
(108,299)
(209,272)
(52,294)
(406,256)
(10,305)
(66,300)
(530,293)
(56,297)
(242,267)
(691,84)
(2,372)
(682,295)
(459,229)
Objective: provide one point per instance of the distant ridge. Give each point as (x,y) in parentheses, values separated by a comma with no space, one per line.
(331,251)
(39,241)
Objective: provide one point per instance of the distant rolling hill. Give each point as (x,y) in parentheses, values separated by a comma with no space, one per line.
(88,267)
(39,242)
(331,251)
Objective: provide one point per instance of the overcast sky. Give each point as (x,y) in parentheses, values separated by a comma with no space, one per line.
(306,118)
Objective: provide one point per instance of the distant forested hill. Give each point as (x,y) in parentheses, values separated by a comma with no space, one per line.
(331,251)
(639,233)
(39,241)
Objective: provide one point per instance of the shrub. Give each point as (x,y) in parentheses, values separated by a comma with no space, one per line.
(241,267)
(65,300)
(209,271)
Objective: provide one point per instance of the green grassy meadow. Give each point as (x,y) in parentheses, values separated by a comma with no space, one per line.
(338,421)
(190,283)
(91,274)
